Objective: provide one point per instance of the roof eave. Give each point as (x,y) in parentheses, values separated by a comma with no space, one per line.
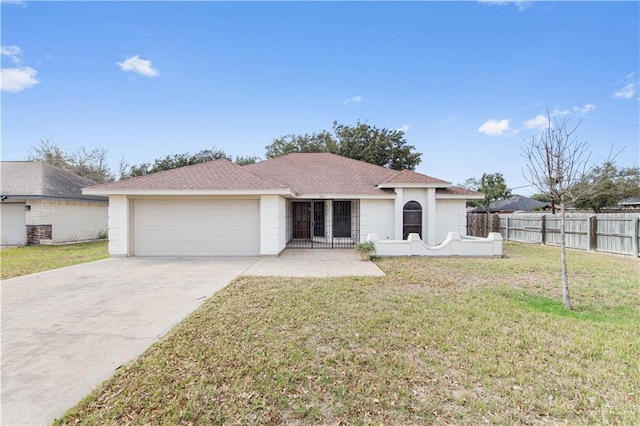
(52,197)
(166,192)
(391,185)
(459,197)
(345,196)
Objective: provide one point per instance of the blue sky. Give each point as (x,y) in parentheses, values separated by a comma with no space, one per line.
(467,81)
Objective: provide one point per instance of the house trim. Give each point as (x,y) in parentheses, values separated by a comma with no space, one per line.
(392,185)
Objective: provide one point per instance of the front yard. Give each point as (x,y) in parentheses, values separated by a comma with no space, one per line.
(16,261)
(435,341)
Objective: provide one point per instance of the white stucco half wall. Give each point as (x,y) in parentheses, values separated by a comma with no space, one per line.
(453,245)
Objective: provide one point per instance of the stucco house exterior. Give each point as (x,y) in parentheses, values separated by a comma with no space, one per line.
(42,204)
(298,200)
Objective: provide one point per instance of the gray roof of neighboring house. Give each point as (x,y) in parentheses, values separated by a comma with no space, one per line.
(514,203)
(631,201)
(37,179)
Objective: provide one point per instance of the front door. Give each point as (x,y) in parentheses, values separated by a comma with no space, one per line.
(301,212)
(342,218)
(318,219)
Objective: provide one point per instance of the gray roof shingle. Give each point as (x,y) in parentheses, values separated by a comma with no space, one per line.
(514,203)
(42,180)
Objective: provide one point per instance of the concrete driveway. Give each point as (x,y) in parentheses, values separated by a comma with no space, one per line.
(67,330)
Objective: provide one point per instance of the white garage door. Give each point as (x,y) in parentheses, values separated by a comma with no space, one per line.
(13,230)
(196,227)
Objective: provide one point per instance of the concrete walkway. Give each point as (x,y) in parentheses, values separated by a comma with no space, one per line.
(314,263)
(67,330)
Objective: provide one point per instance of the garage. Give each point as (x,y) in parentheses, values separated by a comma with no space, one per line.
(221,227)
(14,230)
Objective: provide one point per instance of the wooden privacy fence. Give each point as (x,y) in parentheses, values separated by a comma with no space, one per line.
(477,224)
(617,233)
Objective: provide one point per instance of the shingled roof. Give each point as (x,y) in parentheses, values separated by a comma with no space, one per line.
(410,177)
(456,190)
(298,173)
(37,179)
(514,203)
(324,173)
(213,175)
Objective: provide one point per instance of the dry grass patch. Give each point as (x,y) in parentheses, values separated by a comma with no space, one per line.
(17,261)
(435,341)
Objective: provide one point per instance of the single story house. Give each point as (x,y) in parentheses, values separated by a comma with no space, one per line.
(630,203)
(515,203)
(43,204)
(297,200)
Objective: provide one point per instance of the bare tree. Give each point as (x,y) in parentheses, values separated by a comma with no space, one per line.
(556,161)
(89,164)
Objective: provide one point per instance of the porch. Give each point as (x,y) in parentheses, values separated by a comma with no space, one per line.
(322,223)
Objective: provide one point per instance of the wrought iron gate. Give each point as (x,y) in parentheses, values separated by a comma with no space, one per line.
(323,223)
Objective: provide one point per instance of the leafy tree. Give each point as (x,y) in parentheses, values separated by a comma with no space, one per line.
(90,164)
(173,162)
(556,162)
(541,197)
(315,142)
(609,185)
(383,147)
(243,161)
(494,188)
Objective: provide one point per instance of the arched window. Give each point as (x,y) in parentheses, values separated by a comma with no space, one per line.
(411,219)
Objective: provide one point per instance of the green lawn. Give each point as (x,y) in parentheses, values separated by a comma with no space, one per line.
(16,261)
(476,341)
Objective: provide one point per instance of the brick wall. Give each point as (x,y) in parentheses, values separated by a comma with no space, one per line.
(37,233)
(69,220)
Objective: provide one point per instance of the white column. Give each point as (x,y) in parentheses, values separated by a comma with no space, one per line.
(272,225)
(399,204)
(430,219)
(120,225)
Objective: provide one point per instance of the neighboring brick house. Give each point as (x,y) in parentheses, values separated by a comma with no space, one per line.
(42,204)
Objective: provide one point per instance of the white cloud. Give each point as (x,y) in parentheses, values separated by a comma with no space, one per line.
(17,79)
(139,66)
(586,109)
(353,100)
(495,127)
(541,121)
(560,112)
(404,128)
(13,52)
(538,122)
(521,5)
(450,119)
(630,88)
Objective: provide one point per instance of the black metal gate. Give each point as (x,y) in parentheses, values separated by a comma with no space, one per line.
(323,223)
